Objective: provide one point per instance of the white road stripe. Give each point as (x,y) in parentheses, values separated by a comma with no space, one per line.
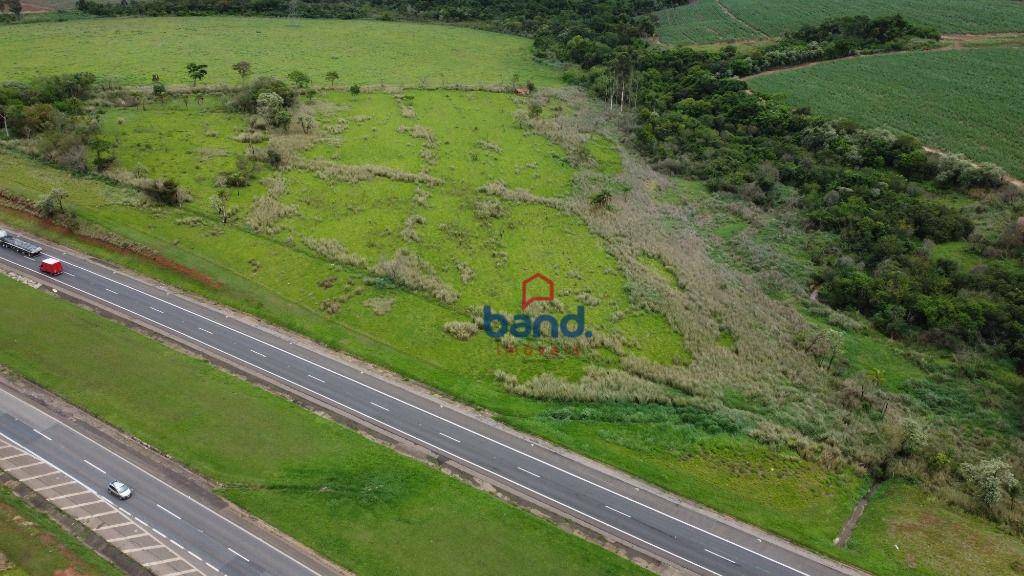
(257,353)
(713,553)
(112,526)
(58,485)
(618,511)
(143,549)
(156,310)
(232,550)
(124,538)
(40,475)
(315,378)
(82,505)
(528,472)
(100,470)
(159,533)
(72,495)
(415,407)
(205,330)
(175,543)
(109,290)
(194,555)
(159,562)
(168,511)
(107,513)
(25,466)
(43,435)
(456,440)
(212,567)
(381,407)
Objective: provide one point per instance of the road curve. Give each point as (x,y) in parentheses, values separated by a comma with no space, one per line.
(663,528)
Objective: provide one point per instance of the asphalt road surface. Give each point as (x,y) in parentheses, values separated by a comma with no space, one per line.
(209,541)
(682,535)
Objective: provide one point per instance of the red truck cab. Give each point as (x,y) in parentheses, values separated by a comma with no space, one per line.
(51,266)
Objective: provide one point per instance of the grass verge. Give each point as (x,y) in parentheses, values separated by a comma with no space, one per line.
(324,484)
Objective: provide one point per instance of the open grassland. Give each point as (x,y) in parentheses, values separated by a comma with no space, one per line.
(904,526)
(339,493)
(33,545)
(706,21)
(958,100)
(132,50)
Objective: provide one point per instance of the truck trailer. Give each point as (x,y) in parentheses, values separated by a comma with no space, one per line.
(19,245)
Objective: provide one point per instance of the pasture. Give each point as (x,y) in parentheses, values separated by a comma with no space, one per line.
(132,50)
(957,100)
(709,21)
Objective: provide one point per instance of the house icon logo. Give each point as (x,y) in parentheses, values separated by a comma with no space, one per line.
(538,279)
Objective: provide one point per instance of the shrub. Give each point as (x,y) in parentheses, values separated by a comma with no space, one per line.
(408,269)
(461,330)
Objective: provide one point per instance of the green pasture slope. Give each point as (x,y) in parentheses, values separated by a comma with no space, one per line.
(958,100)
(334,490)
(132,50)
(32,544)
(707,21)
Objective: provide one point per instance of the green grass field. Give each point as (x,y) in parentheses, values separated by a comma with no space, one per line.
(707,21)
(132,50)
(334,490)
(34,545)
(958,100)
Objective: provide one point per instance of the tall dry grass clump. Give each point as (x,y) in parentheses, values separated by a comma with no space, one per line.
(408,269)
(334,251)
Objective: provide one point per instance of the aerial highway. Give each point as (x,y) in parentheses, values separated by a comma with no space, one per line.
(623,510)
(197,537)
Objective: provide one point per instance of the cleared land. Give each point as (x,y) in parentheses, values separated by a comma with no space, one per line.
(324,484)
(33,545)
(958,100)
(706,21)
(132,50)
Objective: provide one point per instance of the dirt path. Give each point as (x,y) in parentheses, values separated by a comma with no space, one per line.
(955,42)
(851,522)
(743,23)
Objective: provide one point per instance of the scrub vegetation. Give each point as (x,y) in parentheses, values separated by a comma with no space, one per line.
(334,490)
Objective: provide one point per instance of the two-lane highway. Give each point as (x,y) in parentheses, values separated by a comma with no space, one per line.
(672,531)
(208,540)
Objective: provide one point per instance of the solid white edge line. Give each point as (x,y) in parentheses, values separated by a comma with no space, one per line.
(43,435)
(232,550)
(497,442)
(132,464)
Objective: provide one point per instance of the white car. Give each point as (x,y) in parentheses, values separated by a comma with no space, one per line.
(120,490)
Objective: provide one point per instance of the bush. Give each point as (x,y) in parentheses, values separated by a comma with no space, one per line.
(245,99)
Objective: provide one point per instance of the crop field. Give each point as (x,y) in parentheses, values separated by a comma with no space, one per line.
(708,21)
(324,484)
(31,544)
(132,50)
(701,22)
(957,100)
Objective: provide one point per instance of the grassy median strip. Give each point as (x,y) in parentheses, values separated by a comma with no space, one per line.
(360,504)
(31,543)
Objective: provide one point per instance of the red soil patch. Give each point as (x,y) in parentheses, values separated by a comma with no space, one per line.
(23,207)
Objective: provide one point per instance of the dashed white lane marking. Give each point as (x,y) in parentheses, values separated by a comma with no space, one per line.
(156,310)
(98,469)
(43,435)
(205,330)
(257,353)
(442,418)
(452,438)
(381,407)
(713,553)
(194,555)
(535,475)
(109,290)
(212,567)
(232,550)
(175,543)
(168,511)
(159,533)
(320,380)
(141,521)
(618,511)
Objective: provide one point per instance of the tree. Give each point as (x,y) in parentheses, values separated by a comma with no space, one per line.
(52,204)
(196,72)
(300,79)
(3,121)
(306,122)
(989,481)
(332,77)
(15,6)
(225,213)
(159,90)
(270,106)
(243,68)
(355,89)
